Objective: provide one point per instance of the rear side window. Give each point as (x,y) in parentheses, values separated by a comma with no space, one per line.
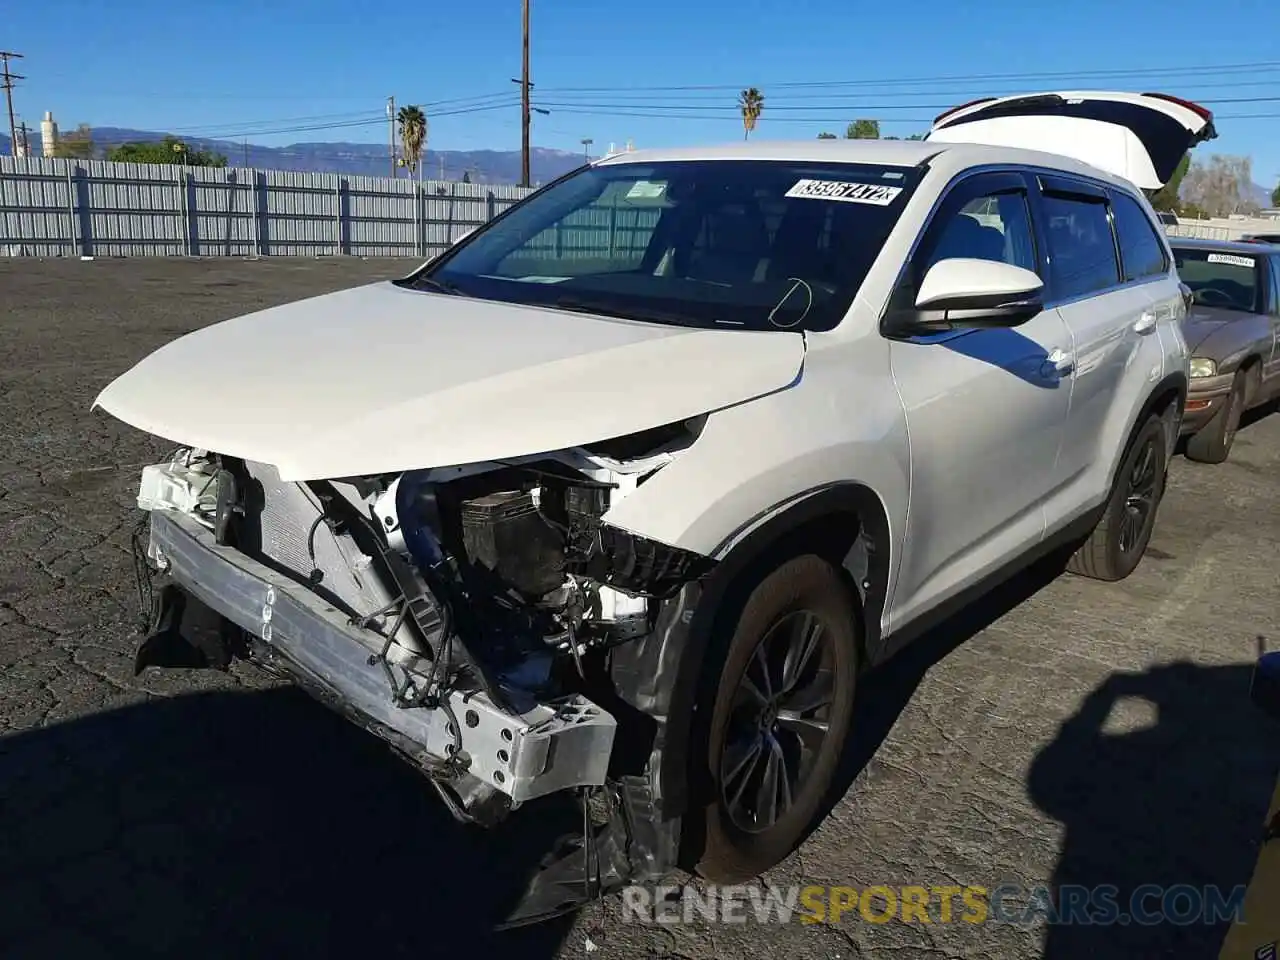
(1081,248)
(1141,252)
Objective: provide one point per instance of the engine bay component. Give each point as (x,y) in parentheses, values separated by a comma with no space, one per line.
(185,484)
(554,745)
(503,533)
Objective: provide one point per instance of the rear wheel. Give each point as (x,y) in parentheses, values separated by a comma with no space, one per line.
(1212,443)
(1118,542)
(780,712)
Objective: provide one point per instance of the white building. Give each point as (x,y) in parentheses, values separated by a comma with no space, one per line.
(48,134)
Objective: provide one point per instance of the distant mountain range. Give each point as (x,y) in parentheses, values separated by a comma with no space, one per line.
(359,159)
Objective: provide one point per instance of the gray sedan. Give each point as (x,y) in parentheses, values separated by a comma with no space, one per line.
(1233,330)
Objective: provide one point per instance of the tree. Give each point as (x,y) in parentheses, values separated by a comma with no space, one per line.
(863,130)
(827,136)
(77,145)
(413,135)
(168,150)
(466,176)
(1275,196)
(1166,198)
(1221,187)
(751,105)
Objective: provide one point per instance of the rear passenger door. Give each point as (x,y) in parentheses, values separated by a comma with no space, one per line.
(1106,263)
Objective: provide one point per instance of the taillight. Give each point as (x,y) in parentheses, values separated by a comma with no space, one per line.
(1195,108)
(964,106)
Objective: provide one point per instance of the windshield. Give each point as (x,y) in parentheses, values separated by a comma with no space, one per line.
(762,245)
(1229,281)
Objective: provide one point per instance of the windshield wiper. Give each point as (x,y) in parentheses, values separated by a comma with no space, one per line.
(605,309)
(440,286)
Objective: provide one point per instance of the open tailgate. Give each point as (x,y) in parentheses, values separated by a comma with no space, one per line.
(1138,136)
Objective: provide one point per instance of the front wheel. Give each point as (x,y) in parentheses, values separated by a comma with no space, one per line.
(1120,539)
(780,714)
(1212,443)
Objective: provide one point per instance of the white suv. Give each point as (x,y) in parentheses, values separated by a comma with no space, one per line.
(622,494)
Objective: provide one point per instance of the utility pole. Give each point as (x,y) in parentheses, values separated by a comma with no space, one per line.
(7,81)
(26,141)
(524,100)
(391,132)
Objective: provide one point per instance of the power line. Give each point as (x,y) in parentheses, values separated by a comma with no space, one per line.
(947,79)
(313,118)
(229,134)
(704,99)
(853,106)
(824,112)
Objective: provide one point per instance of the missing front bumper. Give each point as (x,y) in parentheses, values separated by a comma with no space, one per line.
(554,746)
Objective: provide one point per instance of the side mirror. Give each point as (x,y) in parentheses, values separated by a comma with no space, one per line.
(1188,295)
(960,293)
(1265,689)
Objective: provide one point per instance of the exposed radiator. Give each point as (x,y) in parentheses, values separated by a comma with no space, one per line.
(289,514)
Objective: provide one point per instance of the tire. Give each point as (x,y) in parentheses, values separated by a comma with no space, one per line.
(743,741)
(1212,442)
(1117,543)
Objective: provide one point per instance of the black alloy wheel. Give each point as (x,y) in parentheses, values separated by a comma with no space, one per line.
(780,719)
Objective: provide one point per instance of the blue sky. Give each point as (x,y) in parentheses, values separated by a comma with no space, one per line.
(256,68)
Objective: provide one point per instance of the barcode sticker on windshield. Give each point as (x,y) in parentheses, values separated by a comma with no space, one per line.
(845,191)
(1231,259)
(646,190)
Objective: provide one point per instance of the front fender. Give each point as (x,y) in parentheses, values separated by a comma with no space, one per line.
(756,459)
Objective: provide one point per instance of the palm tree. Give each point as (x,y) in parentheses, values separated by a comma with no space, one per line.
(413,135)
(751,103)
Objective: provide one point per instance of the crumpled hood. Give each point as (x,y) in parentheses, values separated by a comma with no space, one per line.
(1200,323)
(382,379)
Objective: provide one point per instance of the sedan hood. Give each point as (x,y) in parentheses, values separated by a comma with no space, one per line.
(380,379)
(1202,322)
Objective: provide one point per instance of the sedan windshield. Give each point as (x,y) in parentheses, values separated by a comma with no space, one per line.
(1220,278)
(759,244)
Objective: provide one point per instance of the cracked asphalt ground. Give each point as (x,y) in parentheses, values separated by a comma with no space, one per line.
(1060,731)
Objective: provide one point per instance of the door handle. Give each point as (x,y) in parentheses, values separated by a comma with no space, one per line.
(1059,362)
(1145,323)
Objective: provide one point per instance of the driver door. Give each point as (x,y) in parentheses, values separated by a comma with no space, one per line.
(986,409)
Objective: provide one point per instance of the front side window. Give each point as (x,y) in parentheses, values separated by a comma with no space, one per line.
(994,227)
(1222,278)
(1082,251)
(739,244)
(1141,251)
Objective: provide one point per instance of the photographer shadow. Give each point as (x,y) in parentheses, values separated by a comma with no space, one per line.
(252,824)
(1177,802)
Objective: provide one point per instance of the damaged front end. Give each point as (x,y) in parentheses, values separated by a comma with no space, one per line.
(466,615)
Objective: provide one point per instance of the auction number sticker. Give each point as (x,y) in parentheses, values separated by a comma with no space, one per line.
(845,191)
(1231,259)
(646,190)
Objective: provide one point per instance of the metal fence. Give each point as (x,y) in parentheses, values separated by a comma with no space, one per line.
(1202,231)
(60,208)
(1224,228)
